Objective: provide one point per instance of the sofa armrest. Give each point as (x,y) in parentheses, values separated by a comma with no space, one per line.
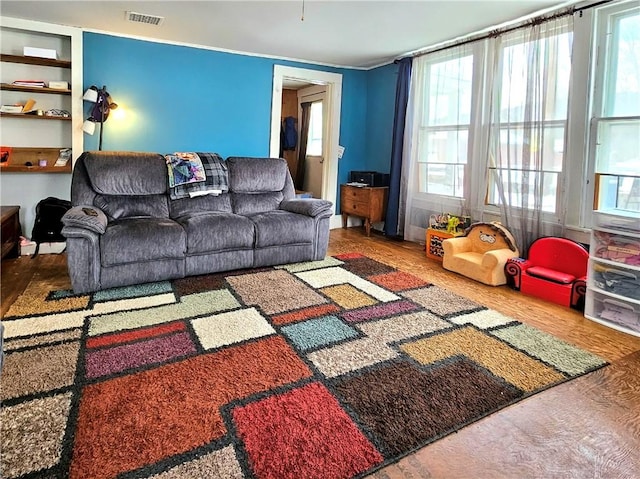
(309,207)
(453,246)
(493,258)
(86,217)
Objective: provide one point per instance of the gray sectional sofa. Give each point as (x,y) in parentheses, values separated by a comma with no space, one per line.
(125,229)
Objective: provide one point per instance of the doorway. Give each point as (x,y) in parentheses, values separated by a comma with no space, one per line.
(314,98)
(331,112)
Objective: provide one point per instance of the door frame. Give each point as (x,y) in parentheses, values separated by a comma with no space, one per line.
(333,82)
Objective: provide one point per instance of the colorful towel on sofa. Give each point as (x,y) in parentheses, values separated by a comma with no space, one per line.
(184,168)
(216,179)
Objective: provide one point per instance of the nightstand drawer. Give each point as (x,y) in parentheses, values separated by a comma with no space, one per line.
(356,194)
(353,207)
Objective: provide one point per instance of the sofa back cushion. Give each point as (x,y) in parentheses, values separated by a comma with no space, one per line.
(125,206)
(116,173)
(559,254)
(257,185)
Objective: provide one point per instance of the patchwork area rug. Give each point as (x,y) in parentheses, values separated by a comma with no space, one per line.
(328,369)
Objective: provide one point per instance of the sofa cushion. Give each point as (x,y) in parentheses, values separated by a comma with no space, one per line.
(551,275)
(116,207)
(214,232)
(201,204)
(126,173)
(142,239)
(257,175)
(252,203)
(280,227)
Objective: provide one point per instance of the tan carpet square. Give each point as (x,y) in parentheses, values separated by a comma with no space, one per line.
(33,301)
(38,370)
(515,367)
(32,434)
(348,297)
(291,293)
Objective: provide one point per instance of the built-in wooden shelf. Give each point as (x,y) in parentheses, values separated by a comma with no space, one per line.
(20,156)
(47,62)
(34,89)
(35,117)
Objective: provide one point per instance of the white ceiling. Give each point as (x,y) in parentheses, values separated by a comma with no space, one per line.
(359,33)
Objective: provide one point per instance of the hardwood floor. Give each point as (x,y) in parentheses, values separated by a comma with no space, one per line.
(586,428)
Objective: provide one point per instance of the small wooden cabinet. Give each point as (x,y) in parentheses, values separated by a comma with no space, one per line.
(367,202)
(434,241)
(10,231)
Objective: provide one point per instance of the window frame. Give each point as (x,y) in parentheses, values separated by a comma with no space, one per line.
(424,129)
(604,41)
(491,202)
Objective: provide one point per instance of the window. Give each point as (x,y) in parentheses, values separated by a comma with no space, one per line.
(531,118)
(444,131)
(314,140)
(617,110)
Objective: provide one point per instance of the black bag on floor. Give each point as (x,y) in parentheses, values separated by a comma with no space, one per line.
(48,225)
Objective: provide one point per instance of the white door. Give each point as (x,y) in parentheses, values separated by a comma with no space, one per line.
(316,149)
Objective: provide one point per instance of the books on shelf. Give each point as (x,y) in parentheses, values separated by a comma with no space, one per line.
(27,107)
(63,157)
(11,109)
(30,83)
(59,85)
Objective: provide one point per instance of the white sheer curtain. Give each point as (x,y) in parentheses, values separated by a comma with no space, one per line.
(528,79)
(409,187)
(437,137)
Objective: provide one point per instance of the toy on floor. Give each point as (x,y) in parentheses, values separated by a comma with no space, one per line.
(481,253)
(556,271)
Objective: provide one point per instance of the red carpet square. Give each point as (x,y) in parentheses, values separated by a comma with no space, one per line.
(134,335)
(131,421)
(283,435)
(398,281)
(306,313)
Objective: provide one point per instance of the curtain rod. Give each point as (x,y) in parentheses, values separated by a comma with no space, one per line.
(500,31)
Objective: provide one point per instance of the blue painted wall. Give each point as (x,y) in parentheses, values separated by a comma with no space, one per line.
(180,98)
(381,97)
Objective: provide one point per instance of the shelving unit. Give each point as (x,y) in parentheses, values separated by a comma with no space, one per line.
(36,139)
(45,62)
(613,278)
(21,156)
(31,89)
(24,116)
(33,143)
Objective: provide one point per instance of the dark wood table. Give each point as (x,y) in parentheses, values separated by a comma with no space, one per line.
(11,231)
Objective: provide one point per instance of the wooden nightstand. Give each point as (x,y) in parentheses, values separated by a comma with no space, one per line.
(367,202)
(10,231)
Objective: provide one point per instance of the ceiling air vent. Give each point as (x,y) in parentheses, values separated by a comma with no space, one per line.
(144,18)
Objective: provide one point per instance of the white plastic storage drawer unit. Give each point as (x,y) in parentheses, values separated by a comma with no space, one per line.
(613,277)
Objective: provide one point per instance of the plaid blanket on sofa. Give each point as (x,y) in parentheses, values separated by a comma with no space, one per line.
(216,180)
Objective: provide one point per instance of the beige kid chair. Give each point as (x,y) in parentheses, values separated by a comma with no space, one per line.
(481,253)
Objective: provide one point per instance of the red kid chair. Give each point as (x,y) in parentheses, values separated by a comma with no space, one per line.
(556,270)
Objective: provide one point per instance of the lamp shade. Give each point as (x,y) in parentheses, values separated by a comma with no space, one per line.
(91,94)
(89,127)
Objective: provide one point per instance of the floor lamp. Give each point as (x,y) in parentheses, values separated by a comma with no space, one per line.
(103,104)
